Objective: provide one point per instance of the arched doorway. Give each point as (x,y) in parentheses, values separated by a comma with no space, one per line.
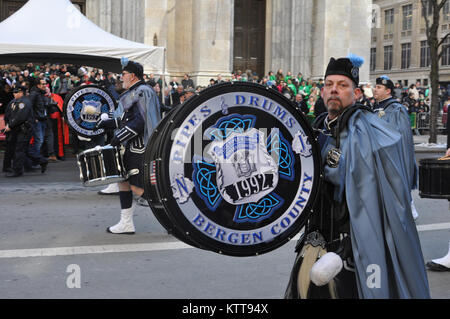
(249,35)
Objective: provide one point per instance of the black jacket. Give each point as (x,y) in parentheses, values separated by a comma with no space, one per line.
(302,106)
(18,112)
(38,104)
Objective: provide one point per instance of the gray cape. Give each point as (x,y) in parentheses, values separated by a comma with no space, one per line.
(386,248)
(147,102)
(397,115)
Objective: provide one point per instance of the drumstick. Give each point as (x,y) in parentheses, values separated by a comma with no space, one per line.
(445,158)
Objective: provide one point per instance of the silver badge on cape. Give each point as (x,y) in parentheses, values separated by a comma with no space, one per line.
(333,157)
(381,113)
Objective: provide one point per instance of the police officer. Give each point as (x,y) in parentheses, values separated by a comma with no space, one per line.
(19,119)
(390,110)
(140,117)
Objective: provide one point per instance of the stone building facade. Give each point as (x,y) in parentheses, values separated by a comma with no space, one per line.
(205,38)
(399,42)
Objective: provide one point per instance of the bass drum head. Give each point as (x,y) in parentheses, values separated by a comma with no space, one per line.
(240,169)
(83,107)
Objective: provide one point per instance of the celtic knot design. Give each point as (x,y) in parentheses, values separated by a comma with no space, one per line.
(230,124)
(204,177)
(279,148)
(255,212)
(205,173)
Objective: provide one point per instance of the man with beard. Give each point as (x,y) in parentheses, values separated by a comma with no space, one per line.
(360,241)
(141,115)
(37,98)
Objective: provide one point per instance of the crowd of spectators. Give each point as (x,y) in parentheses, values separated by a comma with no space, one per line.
(304,92)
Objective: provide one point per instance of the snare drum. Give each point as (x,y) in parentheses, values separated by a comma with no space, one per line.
(434,178)
(101,165)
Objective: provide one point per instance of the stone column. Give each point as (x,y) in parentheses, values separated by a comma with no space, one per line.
(122,18)
(211,39)
(291,35)
(342,27)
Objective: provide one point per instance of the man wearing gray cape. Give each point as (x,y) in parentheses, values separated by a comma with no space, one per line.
(141,115)
(361,240)
(390,110)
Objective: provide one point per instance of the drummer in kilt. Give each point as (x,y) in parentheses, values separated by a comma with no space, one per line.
(133,129)
(361,240)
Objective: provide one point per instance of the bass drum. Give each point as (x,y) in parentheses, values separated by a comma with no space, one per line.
(150,190)
(236,170)
(83,107)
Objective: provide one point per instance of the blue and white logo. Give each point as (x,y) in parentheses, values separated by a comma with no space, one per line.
(245,170)
(84,108)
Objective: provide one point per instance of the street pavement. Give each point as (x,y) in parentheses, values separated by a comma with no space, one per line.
(53,244)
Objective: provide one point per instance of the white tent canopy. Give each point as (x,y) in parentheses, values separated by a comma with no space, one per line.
(55,31)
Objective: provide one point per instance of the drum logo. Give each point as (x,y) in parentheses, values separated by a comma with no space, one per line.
(90,111)
(245,170)
(83,107)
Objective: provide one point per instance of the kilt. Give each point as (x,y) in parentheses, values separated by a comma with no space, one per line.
(134,161)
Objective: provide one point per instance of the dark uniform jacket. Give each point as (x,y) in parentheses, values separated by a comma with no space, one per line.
(18,112)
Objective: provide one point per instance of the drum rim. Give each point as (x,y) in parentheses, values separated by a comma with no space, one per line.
(97,149)
(99,181)
(434,160)
(164,178)
(69,95)
(160,213)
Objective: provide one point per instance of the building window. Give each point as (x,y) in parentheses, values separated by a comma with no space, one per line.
(388,57)
(389,21)
(425,59)
(373,59)
(446,11)
(407,17)
(406,55)
(446,52)
(427,9)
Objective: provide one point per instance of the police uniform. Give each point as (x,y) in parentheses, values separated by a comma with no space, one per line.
(19,118)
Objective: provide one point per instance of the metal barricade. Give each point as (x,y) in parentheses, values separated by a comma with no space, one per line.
(423,121)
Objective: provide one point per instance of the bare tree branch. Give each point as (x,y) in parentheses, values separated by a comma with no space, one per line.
(443,39)
(441,5)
